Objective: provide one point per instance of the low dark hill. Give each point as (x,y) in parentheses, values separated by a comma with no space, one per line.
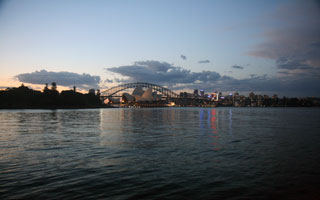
(24,97)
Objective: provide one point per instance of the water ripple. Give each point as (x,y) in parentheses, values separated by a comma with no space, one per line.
(176,153)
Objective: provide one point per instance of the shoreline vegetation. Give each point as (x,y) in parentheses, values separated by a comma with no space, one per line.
(26,98)
(52,107)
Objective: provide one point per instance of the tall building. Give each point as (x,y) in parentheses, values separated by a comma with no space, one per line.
(196,92)
(202,93)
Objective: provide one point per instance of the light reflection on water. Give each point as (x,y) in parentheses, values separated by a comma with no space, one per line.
(192,153)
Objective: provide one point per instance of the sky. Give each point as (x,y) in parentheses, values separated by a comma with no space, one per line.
(268,47)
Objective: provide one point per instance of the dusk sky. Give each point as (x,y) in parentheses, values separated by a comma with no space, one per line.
(262,46)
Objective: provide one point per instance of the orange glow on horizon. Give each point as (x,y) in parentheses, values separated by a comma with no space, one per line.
(214,130)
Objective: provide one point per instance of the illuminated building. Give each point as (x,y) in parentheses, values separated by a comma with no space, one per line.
(215,96)
(139,94)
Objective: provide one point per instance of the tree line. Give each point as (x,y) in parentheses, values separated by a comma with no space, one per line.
(24,97)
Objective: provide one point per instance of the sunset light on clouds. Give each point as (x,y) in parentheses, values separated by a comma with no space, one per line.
(261,46)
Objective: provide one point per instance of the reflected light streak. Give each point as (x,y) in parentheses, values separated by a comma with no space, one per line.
(201,119)
(230,121)
(214,129)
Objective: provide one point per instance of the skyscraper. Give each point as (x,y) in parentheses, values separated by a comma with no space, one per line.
(196,92)
(202,93)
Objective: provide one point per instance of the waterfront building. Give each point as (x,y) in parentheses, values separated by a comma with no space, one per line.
(139,95)
(215,96)
(202,93)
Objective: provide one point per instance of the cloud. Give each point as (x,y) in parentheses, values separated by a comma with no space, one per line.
(237,67)
(253,75)
(108,81)
(177,78)
(162,73)
(183,57)
(61,78)
(203,61)
(290,86)
(294,43)
(292,64)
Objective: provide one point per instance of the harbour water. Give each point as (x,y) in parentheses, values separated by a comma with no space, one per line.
(160,153)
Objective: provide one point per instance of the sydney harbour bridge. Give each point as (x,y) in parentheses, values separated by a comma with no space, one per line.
(166,95)
(115,91)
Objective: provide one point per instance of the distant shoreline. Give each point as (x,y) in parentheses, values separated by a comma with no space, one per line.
(108,106)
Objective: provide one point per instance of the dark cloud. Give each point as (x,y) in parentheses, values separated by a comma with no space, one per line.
(294,43)
(183,57)
(203,61)
(108,81)
(291,64)
(162,73)
(237,67)
(61,78)
(177,78)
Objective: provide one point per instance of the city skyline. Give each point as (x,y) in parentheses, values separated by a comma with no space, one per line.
(261,46)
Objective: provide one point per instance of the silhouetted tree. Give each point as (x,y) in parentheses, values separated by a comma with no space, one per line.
(53,86)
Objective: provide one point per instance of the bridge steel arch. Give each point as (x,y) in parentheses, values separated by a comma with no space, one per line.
(114,90)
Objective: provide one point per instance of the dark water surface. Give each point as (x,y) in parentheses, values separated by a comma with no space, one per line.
(160,153)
